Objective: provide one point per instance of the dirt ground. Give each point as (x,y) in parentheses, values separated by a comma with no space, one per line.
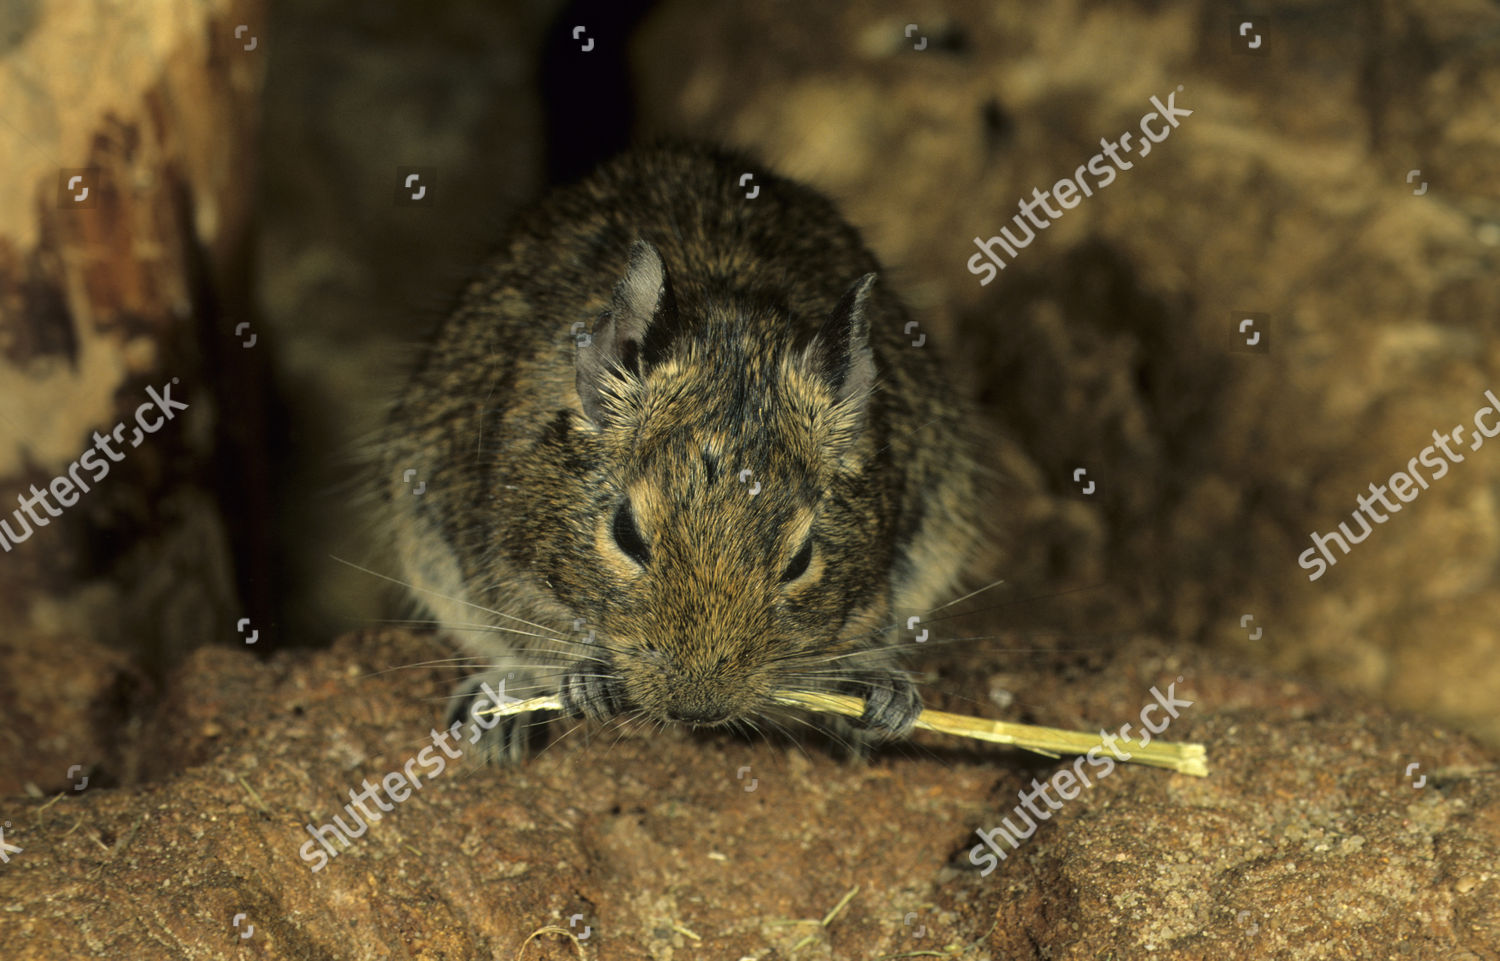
(1306,841)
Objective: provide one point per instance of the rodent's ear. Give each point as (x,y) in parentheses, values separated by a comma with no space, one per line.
(632,335)
(842,352)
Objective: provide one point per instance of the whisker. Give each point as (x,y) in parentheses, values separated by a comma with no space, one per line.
(775,722)
(937,642)
(617,724)
(439,662)
(981,610)
(959,600)
(577,723)
(1024,600)
(456,600)
(476,628)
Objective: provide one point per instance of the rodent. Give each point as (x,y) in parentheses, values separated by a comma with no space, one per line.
(584,421)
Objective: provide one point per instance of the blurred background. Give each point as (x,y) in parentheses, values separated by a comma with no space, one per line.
(250,233)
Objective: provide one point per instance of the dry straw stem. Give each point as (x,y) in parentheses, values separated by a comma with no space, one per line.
(1050,741)
(1183,758)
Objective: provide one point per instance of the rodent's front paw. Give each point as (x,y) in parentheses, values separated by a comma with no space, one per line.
(592,696)
(892,703)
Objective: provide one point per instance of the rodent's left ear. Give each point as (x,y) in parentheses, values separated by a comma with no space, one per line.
(841,353)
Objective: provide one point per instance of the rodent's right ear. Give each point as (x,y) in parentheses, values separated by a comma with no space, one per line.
(632,335)
(842,348)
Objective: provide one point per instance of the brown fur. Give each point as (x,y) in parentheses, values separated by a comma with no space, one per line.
(748,355)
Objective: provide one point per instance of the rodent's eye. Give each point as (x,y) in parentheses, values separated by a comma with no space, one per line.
(798,565)
(628,538)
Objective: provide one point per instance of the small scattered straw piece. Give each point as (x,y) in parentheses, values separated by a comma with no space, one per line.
(827,919)
(1049,741)
(551,929)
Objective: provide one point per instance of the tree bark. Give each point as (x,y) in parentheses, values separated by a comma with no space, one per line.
(129,165)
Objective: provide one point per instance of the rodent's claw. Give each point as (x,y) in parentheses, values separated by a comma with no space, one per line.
(892,704)
(592,696)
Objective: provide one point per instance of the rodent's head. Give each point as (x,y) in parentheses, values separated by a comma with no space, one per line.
(734,544)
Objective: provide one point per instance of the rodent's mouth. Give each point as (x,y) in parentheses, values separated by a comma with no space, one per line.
(711,717)
(700,711)
(601,696)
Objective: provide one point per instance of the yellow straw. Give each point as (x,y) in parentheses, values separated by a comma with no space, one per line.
(1049,741)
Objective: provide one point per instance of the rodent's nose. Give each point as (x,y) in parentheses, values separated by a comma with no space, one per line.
(698,713)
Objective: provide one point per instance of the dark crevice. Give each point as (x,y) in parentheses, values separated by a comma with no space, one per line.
(587,96)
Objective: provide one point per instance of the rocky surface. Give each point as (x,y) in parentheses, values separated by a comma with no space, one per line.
(1308,839)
